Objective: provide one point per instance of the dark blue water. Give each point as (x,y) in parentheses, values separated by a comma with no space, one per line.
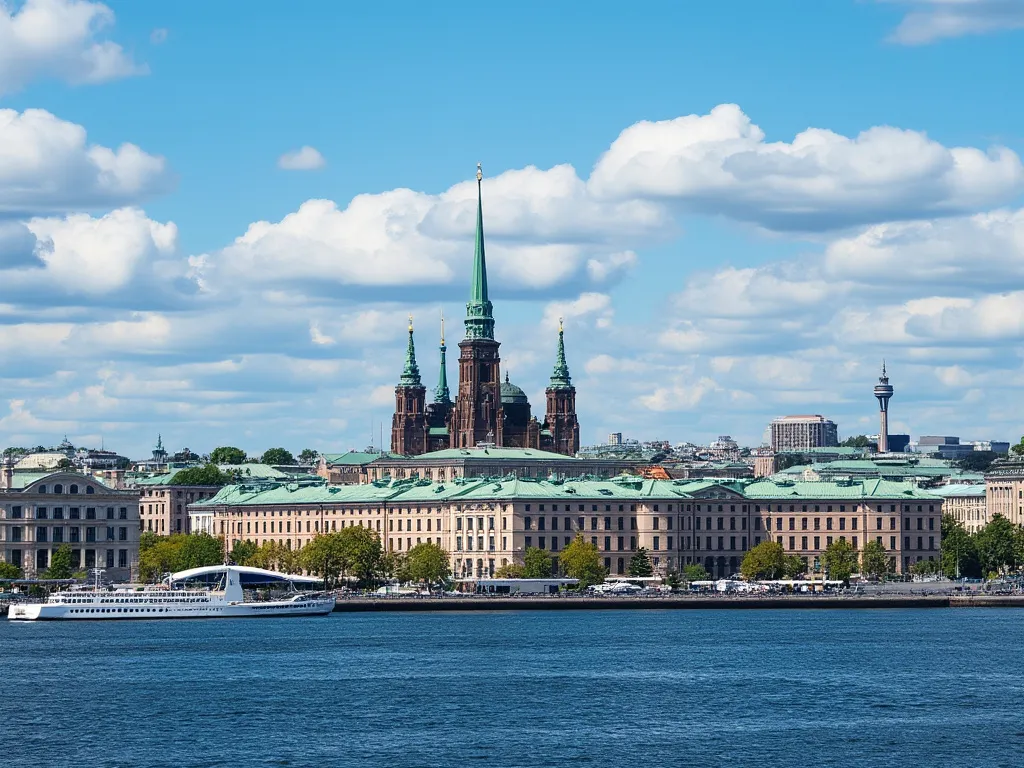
(659,688)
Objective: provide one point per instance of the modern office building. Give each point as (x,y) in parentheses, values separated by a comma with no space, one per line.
(945,446)
(794,433)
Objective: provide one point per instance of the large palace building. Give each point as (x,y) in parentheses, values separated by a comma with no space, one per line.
(487,410)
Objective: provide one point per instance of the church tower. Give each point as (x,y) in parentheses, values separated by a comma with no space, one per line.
(439,411)
(561,422)
(409,424)
(477,416)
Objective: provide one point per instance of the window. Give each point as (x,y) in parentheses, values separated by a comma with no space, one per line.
(817,542)
(16,513)
(74,534)
(122,533)
(607,543)
(803,523)
(41,513)
(58,488)
(40,534)
(73,489)
(89,489)
(828,524)
(803,542)
(90,513)
(122,513)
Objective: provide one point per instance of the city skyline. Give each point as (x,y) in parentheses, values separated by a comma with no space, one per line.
(738,214)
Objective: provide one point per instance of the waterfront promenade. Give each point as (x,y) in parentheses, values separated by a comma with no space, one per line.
(424,603)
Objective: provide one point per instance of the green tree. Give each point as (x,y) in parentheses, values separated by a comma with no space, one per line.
(324,556)
(926,567)
(9,570)
(536,563)
(673,580)
(640,564)
(148,539)
(363,553)
(860,441)
(874,562)
(695,572)
(60,564)
(160,557)
(428,564)
(787,460)
(977,461)
(794,566)
(581,560)
(392,566)
(207,474)
(308,456)
(765,561)
(1018,449)
(959,555)
(227,454)
(996,544)
(198,550)
(839,560)
(510,571)
(244,552)
(64,464)
(277,456)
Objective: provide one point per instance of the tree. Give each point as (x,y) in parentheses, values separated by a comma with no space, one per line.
(978,461)
(9,571)
(996,544)
(536,563)
(244,552)
(794,566)
(839,560)
(363,552)
(787,460)
(428,563)
(765,561)
(308,456)
(159,557)
(581,560)
(673,580)
(510,571)
(64,464)
(874,562)
(1018,449)
(926,567)
(148,539)
(695,572)
(959,555)
(324,556)
(60,564)
(198,550)
(227,454)
(640,564)
(208,474)
(277,456)
(860,441)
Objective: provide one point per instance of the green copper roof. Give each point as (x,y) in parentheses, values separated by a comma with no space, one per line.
(353,458)
(411,372)
(510,393)
(495,453)
(560,377)
(441,393)
(479,320)
(821,489)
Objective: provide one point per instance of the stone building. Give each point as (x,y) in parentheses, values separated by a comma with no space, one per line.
(965,503)
(1004,490)
(485,523)
(794,433)
(487,410)
(42,511)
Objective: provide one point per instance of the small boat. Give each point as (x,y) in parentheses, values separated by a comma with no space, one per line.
(176,599)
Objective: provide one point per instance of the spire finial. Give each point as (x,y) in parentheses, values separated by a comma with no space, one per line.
(883,366)
(411,372)
(479,173)
(559,325)
(410,322)
(442,327)
(560,376)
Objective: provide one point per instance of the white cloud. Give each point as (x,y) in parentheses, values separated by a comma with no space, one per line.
(303,159)
(930,20)
(680,395)
(47,166)
(59,39)
(720,163)
(588,308)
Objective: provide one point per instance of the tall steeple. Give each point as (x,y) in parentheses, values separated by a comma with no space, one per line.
(560,376)
(441,394)
(479,320)
(411,372)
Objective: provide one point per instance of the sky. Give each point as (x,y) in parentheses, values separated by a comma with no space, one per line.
(215,218)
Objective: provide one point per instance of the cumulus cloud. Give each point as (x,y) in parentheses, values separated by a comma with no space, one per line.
(47,166)
(60,39)
(930,20)
(303,159)
(720,164)
(588,308)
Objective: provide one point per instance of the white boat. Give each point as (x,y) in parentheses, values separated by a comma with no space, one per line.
(176,600)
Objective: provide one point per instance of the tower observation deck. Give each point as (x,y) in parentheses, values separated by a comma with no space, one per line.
(883,391)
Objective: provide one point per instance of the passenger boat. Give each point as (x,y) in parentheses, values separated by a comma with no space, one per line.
(176,599)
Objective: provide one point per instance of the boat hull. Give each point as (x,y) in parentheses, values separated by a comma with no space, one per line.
(48,612)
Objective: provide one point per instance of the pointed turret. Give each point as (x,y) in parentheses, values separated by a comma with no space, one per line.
(441,393)
(479,320)
(560,376)
(411,372)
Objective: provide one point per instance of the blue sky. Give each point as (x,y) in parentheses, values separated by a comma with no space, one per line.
(848,188)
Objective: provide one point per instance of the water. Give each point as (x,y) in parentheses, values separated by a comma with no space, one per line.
(602,688)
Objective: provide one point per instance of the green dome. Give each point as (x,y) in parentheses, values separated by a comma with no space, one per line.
(510,393)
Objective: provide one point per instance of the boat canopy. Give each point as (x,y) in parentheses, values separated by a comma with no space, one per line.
(248,576)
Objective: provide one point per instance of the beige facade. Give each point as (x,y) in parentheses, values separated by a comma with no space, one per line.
(485,524)
(42,512)
(794,433)
(967,504)
(1004,491)
(163,509)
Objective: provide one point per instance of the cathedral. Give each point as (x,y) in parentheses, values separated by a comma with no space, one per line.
(486,410)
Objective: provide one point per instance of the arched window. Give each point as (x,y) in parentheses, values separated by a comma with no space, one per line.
(58,488)
(89,489)
(42,489)
(73,489)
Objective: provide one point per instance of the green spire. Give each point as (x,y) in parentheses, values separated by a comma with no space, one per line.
(441,394)
(560,376)
(411,373)
(479,321)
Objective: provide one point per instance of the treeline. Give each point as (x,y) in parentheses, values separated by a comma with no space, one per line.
(993,550)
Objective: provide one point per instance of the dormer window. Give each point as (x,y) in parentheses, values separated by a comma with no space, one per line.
(89,489)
